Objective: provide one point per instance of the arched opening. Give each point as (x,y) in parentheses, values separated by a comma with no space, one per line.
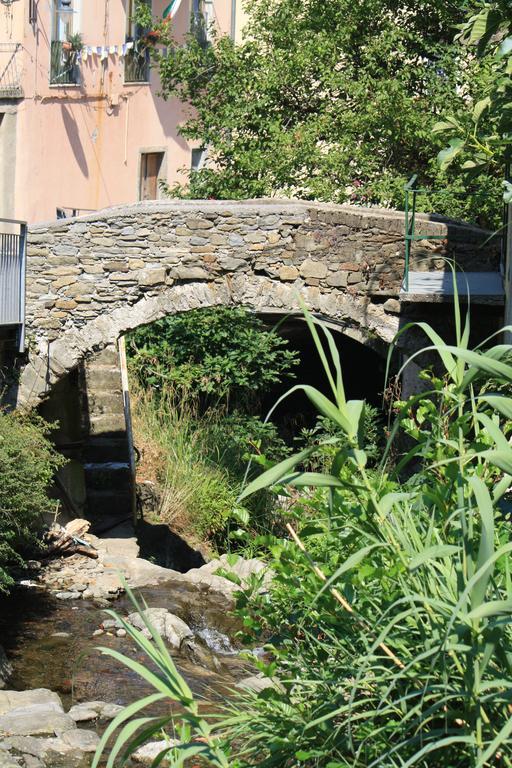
(89,404)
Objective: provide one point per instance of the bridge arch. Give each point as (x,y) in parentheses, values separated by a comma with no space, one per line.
(91,279)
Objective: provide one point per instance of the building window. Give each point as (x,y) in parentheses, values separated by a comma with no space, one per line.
(202,20)
(150,172)
(66,43)
(197,159)
(136,61)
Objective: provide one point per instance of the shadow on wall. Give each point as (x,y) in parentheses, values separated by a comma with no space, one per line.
(74,140)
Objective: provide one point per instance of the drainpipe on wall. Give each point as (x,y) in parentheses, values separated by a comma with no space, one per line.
(233,20)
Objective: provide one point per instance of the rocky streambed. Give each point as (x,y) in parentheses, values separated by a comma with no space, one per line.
(60,691)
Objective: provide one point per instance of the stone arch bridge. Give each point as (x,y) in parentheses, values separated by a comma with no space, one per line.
(93,278)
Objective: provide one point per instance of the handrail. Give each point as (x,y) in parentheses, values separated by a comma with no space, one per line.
(13,253)
(410,222)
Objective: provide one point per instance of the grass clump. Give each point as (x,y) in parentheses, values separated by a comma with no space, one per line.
(28,462)
(196,495)
(199,462)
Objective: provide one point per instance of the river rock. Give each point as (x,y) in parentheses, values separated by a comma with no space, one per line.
(94,710)
(256,683)
(5,668)
(169,626)
(146,754)
(35,712)
(241,571)
(73,749)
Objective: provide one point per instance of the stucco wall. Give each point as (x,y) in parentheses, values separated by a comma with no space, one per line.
(79,146)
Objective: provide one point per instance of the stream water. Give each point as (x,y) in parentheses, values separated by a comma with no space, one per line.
(50,643)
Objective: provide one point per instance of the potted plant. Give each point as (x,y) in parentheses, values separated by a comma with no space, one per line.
(74,42)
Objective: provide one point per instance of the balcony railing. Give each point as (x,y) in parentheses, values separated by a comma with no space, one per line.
(136,64)
(10,71)
(64,69)
(13,257)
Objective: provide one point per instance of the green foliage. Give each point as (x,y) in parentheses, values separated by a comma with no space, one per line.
(479,132)
(28,462)
(417,672)
(222,353)
(329,100)
(201,462)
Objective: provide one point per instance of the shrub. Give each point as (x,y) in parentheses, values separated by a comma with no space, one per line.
(28,462)
(222,354)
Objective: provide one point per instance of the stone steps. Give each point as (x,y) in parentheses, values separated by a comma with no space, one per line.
(106,451)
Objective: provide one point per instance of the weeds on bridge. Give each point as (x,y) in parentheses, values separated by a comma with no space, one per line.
(419,550)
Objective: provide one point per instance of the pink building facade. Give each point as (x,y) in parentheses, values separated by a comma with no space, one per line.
(83,127)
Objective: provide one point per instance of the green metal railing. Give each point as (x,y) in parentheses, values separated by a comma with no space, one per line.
(411,192)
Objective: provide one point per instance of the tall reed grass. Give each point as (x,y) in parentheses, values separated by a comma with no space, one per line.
(417,561)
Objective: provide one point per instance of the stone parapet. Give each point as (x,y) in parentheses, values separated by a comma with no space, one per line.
(91,278)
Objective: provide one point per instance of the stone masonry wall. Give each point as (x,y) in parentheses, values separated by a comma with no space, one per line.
(92,278)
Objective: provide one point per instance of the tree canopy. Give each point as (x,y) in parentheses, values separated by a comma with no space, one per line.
(331,100)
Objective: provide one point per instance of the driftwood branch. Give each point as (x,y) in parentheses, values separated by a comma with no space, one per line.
(68,540)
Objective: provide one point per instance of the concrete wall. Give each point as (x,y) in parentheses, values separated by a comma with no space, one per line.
(79,146)
(91,279)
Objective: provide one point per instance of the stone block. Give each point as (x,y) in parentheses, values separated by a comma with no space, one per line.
(65,250)
(65,304)
(288,273)
(217,239)
(230,263)
(392,306)
(255,237)
(315,269)
(116,266)
(337,280)
(199,224)
(152,276)
(136,263)
(236,239)
(355,277)
(66,270)
(78,289)
(61,282)
(189,273)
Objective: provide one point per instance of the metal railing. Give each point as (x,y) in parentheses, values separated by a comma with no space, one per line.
(13,259)
(10,71)
(136,64)
(412,191)
(64,69)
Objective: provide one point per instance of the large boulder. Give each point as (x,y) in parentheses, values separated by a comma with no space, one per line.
(35,732)
(241,570)
(168,626)
(29,713)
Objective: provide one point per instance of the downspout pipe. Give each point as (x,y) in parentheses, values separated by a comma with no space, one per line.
(233,20)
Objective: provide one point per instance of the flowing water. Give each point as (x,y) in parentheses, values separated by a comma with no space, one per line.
(51,645)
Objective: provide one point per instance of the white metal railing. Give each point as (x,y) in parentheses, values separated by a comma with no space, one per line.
(13,259)
(10,71)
